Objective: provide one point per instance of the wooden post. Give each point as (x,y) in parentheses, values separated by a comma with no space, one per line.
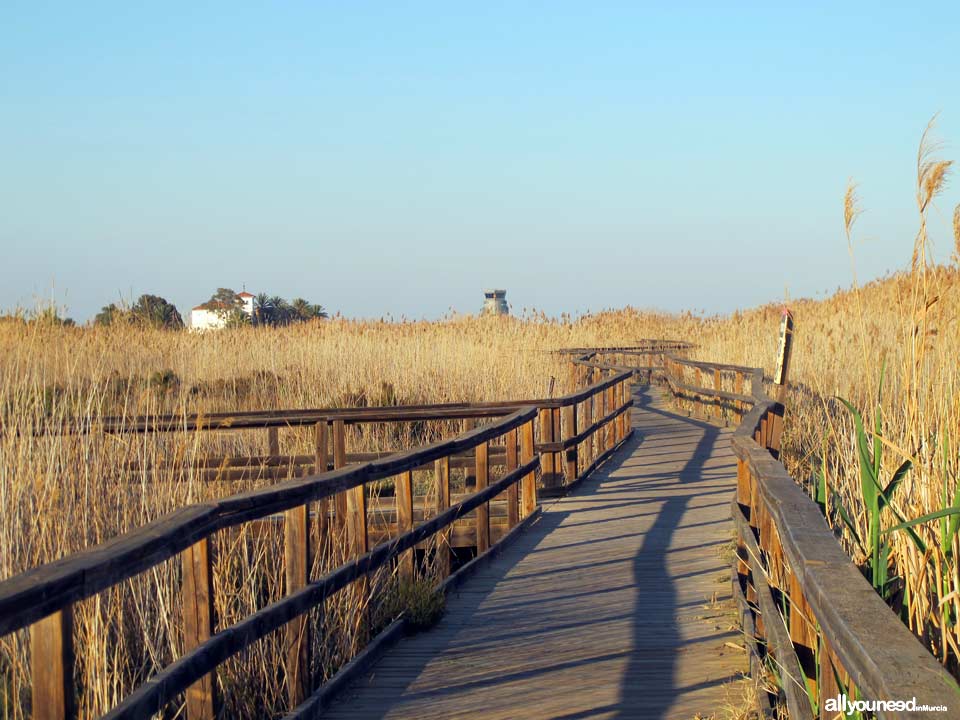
(621,418)
(470,478)
(828,681)
(339,461)
(528,489)
(610,404)
(738,389)
(513,494)
(557,457)
(628,392)
(803,633)
(51,665)
(273,441)
(571,453)
(780,381)
(587,454)
(743,499)
(321,461)
(297,570)
(441,471)
(616,406)
(596,437)
(717,385)
(357,542)
(198,624)
(404,499)
(546,458)
(482,461)
(783,355)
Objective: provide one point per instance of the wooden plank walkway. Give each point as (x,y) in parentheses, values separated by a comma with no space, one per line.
(615,604)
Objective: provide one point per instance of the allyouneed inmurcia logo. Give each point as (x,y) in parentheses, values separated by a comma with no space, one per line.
(842,704)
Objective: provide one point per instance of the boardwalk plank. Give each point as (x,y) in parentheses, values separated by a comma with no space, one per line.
(616,604)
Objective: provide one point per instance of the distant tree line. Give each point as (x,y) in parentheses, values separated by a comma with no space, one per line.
(148,310)
(276,311)
(155,311)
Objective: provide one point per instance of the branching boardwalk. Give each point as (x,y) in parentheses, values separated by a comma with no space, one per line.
(615,604)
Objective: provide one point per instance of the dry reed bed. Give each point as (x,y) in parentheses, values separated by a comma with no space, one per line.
(62,492)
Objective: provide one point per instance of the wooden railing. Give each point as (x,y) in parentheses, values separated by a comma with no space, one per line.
(576,433)
(810,617)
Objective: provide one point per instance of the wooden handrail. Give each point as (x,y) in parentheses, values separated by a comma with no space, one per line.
(33,594)
(42,598)
(784,541)
(181,674)
(350,416)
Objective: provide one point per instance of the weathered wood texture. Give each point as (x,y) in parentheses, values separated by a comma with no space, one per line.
(808,603)
(616,603)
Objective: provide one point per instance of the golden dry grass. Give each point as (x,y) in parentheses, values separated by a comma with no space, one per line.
(64,492)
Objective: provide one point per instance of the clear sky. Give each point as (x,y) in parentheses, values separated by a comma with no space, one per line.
(400,157)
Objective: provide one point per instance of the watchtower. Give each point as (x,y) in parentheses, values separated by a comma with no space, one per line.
(495,303)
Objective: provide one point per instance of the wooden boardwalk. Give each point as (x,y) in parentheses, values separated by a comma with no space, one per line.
(615,604)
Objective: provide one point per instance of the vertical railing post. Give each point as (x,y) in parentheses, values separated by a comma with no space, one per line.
(198,621)
(596,437)
(588,441)
(321,461)
(743,499)
(717,385)
(358,544)
(610,404)
(738,389)
(628,396)
(273,441)
(528,489)
(828,670)
(404,499)
(51,665)
(441,471)
(557,456)
(622,417)
(339,461)
(297,631)
(615,424)
(513,494)
(546,458)
(803,633)
(470,479)
(569,432)
(482,469)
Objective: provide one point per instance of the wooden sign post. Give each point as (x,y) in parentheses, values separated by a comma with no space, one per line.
(780,380)
(783,355)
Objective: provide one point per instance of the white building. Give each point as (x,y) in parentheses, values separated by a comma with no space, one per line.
(213,316)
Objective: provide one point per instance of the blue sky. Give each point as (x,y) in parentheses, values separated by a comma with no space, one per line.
(400,157)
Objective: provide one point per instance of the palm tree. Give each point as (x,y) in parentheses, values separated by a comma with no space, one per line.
(281,311)
(301,309)
(262,309)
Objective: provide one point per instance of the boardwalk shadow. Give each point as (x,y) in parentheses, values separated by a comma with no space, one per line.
(650,684)
(461,664)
